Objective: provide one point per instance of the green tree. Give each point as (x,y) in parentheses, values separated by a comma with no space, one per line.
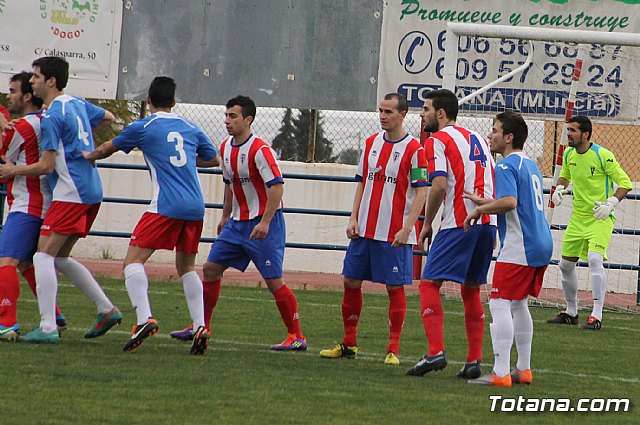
(125,111)
(284,143)
(292,142)
(349,156)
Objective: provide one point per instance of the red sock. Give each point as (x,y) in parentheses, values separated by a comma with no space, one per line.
(474,321)
(351,309)
(30,276)
(397,311)
(210,293)
(432,315)
(9,293)
(288,306)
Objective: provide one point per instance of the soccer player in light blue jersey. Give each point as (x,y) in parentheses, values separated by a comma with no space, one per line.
(173,147)
(525,249)
(77,194)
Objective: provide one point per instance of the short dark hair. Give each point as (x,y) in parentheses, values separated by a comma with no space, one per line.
(584,124)
(162,92)
(403,105)
(247,105)
(53,66)
(25,87)
(446,100)
(513,123)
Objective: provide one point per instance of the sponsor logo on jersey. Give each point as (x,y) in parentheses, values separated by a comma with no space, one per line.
(377,175)
(241,180)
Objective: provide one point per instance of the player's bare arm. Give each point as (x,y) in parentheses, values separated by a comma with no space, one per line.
(434,201)
(353,231)
(105,150)
(496,206)
(207,163)
(227,206)
(107,120)
(45,165)
(274,199)
(402,236)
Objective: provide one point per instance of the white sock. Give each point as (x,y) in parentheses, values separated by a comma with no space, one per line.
(135,279)
(570,285)
(47,289)
(523,330)
(193,293)
(598,282)
(83,280)
(501,328)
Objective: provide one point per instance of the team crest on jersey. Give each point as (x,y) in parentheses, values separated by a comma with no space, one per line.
(593,170)
(396,155)
(243,157)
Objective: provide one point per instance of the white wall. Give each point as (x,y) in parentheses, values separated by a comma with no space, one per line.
(311,228)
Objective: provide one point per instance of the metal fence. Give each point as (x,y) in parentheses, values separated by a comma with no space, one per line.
(345,132)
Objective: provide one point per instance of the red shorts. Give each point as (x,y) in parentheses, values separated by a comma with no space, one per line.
(156,231)
(515,282)
(69,218)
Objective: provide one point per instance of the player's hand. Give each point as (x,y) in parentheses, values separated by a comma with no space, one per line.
(603,210)
(221,224)
(473,197)
(425,235)
(401,238)
(558,195)
(352,230)
(471,219)
(87,156)
(260,231)
(7,169)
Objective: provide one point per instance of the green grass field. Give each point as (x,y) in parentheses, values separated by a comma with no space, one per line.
(239,381)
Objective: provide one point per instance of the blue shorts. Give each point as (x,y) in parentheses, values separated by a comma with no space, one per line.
(379,262)
(461,256)
(233,247)
(19,237)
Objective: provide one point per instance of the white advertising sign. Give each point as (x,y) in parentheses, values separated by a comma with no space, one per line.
(84,32)
(413,43)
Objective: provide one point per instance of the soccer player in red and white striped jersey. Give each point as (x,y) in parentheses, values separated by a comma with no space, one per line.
(389,197)
(458,160)
(252,226)
(28,197)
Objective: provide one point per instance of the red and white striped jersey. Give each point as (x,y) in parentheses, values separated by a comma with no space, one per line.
(464,158)
(20,144)
(385,169)
(250,168)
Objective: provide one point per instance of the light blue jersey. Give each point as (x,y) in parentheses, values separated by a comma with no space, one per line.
(66,128)
(525,237)
(170,145)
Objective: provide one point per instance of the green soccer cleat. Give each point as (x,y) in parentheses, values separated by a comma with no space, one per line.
(104,322)
(37,336)
(10,333)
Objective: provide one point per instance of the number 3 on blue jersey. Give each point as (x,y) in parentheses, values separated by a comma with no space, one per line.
(475,150)
(181,159)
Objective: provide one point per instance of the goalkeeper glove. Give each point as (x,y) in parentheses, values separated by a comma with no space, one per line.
(603,210)
(558,195)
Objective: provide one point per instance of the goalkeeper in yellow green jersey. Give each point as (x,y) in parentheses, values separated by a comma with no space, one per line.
(592,170)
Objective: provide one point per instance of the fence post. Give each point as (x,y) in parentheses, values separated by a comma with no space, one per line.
(313,125)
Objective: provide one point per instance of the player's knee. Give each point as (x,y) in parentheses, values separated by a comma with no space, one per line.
(566,266)
(211,272)
(596,261)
